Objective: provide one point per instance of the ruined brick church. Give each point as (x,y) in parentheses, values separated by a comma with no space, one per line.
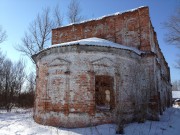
(100,70)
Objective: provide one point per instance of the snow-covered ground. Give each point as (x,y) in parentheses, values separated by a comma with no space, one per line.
(20,122)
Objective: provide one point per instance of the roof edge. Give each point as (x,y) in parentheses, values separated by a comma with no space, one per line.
(84,42)
(99,18)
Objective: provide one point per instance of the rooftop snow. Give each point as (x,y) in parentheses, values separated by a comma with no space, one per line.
(98,42)
(176,94)
(117,13)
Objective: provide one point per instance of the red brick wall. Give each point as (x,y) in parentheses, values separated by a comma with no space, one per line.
(129,28)
(66,82)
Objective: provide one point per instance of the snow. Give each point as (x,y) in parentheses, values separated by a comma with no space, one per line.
(20,122)
(117,13)
(175,94)
(94,41)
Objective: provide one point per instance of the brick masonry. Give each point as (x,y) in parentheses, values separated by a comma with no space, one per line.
(67,76)
(128,28)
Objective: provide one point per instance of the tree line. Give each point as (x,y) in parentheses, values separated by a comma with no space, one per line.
(176,85)
(16,87)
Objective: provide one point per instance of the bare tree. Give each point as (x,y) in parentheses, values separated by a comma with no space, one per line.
(58,18)
(11,81)
(173,27)
(26,98)
(173,35)
(31,82)
(19,77)
(178,64)
(7,66)
(176,85)
(3,35)
(31,87)
(39,33)
(2,57)
(74,12)
(37,36)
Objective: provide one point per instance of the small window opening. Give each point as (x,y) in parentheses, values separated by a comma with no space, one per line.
(104,96)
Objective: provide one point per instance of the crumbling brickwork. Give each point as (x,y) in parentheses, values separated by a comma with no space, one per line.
(129,28)
(81,85)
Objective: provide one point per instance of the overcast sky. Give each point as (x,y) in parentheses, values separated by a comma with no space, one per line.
(15,16)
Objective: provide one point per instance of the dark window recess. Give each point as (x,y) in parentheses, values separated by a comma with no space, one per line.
(104,94)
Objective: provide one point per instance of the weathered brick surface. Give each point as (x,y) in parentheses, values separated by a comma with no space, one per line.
(69,99)
(67,76)
(129,28)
